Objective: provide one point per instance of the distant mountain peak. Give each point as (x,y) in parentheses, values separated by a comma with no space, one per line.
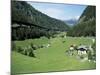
(71,22)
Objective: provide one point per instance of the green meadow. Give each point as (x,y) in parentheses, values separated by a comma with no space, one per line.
(53,58)
(41,42)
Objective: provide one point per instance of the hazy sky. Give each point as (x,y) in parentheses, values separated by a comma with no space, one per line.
(60,11)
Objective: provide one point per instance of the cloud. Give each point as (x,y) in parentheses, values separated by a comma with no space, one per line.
(77,17)
(73,18)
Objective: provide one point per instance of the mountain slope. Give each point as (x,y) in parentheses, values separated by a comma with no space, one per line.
(86,25)
(24,12)
(88,13)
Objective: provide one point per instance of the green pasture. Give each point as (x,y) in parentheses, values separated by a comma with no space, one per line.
(50,59)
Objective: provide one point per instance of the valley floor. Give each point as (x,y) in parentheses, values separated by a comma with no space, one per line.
(51,58)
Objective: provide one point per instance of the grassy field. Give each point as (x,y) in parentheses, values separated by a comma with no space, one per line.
(52,58)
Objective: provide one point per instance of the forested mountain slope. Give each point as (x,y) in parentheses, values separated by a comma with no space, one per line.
(86,25)
(89,13)
(27,22)
(24,12)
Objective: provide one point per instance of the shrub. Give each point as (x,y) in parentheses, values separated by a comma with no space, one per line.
(13,45)
(62,36)
(33,46)
(90,56)
(20,49)
(31,54)
(25,52)
(41,46)
(94,49)
(63,41)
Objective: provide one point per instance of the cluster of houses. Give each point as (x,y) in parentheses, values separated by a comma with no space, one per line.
(81,50)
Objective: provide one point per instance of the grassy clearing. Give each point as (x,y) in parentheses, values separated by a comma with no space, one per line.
(52,58)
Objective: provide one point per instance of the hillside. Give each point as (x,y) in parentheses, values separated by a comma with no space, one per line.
(24,12)
(88,13)
(29,23)
(86,25)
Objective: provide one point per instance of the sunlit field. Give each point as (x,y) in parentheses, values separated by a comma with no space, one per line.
(53,58)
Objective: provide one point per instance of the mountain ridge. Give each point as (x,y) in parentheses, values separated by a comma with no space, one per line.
(22,11)
(71,22)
